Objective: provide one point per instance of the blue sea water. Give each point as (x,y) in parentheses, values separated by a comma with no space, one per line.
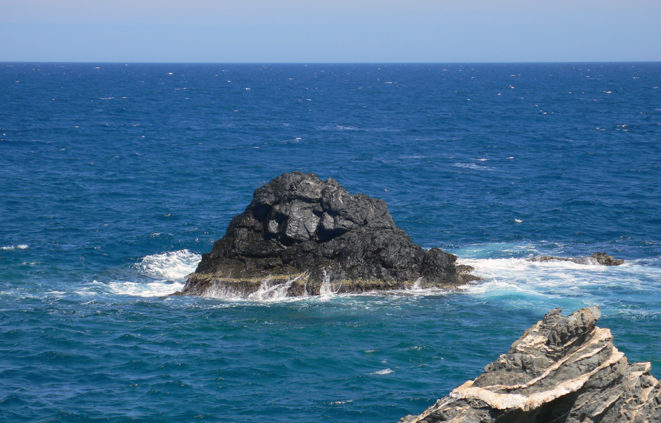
(114,178)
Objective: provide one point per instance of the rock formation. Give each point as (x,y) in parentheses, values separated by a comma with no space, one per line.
(596,258)
(563,369)
(305,236)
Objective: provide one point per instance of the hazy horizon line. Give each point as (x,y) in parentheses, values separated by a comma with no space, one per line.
(325,62)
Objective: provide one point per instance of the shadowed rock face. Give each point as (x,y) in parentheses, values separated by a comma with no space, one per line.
(563,369)
(313,235)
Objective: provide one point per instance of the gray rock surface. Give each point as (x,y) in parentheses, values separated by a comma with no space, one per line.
(307,236)
(563,369)
(596,258)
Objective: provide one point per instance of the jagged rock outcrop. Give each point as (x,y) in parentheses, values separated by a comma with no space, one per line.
(563,369)
(596,258)
(304,236)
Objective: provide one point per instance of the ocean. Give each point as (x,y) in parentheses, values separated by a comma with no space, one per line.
(115,178)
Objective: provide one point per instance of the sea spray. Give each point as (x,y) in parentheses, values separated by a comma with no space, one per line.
(170,265)
(165,274)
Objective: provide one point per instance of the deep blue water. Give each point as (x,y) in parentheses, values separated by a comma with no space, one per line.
(114,178)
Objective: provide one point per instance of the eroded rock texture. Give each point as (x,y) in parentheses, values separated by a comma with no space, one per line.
(304,235)
(563,369)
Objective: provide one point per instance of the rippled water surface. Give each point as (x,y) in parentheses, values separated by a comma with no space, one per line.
(115,178)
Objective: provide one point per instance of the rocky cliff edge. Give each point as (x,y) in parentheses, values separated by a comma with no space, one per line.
(563,369)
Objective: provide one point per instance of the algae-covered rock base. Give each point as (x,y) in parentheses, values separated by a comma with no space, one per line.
(301,235)
(563,369)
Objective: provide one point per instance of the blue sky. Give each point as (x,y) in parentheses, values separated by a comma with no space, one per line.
(330,31)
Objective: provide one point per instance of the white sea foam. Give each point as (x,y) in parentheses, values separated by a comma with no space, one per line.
(326,289)
(561,279)
(341,402)
(149,289)
(414,157)
(170,266)
(338,127)
(14,247)
(87,291)
(385,371)
(346,128)
(500,249)
(168,270)
(268,291)
(472,166)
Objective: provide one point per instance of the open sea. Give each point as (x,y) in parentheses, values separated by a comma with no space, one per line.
(115,178)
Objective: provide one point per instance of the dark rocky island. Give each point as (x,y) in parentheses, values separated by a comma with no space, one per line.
(304,236)
(563,369)
(596,258)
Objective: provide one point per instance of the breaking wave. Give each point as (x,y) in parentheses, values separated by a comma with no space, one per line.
(167,270)
(520,282)
(170,266)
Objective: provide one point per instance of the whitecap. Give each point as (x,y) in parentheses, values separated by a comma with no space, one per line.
(385,371)
(150,289)
(561,279)
(414,157)
(346,128)
(14,247)
(171,265)
(86,292)
(472,166)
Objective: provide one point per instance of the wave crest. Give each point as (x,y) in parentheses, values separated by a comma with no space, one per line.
(14,247)
(169,266)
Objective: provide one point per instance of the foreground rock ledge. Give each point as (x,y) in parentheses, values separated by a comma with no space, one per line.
(304,236)
(563,369)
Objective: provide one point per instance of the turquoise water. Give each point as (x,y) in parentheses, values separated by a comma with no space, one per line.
(115,178)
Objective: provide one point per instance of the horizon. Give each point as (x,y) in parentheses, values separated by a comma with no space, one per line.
(293,31)
(606,62)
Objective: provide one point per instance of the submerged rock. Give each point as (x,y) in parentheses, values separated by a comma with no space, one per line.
(304,236)
(563,369)
(596,258)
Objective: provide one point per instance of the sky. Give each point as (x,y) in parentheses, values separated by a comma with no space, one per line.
(311,31)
